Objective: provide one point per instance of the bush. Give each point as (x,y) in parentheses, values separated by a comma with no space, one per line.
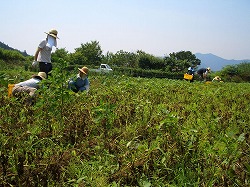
(11,55)
(236,73)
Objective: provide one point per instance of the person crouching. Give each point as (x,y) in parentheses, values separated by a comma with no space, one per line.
(80,82)
(28,87)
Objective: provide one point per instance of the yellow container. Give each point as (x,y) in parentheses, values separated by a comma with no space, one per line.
(188,77)
(10,87)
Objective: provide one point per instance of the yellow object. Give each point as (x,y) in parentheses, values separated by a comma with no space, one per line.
(188,77)
(10,87)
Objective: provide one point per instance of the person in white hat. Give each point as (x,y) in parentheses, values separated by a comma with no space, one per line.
(28,87)
(81,82)
(43,53)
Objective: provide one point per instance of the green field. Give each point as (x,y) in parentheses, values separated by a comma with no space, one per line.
(126,132)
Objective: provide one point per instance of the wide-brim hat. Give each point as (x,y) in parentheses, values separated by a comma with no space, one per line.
(53,33)
(217,78)
(84,70)
(42,75)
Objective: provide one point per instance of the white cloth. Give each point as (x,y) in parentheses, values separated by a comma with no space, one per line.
(51,42)
(33,82)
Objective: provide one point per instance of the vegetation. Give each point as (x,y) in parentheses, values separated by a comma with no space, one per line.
(11,56)
(180,61)
(236,73)
(6,47)
(126,132)
(136,63)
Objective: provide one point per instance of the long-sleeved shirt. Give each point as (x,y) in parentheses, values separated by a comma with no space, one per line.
(79,84)
(33,82)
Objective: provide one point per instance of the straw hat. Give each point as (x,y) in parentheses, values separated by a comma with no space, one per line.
(217,78)
(84,70)
(42,75)
(53,33)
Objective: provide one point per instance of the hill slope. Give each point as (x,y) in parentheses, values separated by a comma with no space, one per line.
(4,46)
(215,62)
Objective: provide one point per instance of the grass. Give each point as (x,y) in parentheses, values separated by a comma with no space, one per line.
(127,132)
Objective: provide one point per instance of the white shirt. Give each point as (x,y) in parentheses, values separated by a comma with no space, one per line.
(33,82)
(45,54)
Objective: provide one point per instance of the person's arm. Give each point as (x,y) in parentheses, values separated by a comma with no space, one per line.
(36,54)
(85,86)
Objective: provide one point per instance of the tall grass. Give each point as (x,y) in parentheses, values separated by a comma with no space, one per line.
(127,132)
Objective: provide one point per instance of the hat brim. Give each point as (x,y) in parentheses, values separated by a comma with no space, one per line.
(52,35)
(37,76)
(82,71)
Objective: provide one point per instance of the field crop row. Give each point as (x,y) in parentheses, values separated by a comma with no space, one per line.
(127,132)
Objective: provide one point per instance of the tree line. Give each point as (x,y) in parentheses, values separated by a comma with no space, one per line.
(91,54)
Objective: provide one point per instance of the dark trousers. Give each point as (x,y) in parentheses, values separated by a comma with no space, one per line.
(45,67)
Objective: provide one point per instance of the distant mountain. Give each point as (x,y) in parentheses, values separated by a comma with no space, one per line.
(216,63)
(4,46)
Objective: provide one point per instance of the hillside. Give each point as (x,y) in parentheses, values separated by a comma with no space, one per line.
(215,62)
(4,46)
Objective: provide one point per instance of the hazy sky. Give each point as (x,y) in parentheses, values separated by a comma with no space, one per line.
(158,27)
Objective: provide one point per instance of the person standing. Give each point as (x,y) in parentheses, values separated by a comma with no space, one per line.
(43,52)
(80,82)
(203,72)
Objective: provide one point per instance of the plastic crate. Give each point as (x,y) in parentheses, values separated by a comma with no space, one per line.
(188,77)
(10,87)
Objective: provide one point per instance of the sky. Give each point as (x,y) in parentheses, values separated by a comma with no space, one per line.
(157,27)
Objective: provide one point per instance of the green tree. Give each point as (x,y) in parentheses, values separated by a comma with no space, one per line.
(89,53)
(180,61)
(11,55)
(244,71)
(60,54)
(236,73)
(122,58)
(148,61)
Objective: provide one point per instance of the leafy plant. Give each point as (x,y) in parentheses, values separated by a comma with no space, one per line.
(126,132)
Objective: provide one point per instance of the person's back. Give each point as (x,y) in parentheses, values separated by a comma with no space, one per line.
(33,82)
(203,73)
(29,86)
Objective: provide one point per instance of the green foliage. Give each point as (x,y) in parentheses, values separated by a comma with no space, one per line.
(11,55)
(89,53)
(244,71)
(121,59)
(138,72)
(127,132)
(6,47)
(180,61)
(147,61)
(60,54)
(236,73)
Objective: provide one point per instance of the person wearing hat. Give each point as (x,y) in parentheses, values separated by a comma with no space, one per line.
(43,52)
(80,82)
(29,86)
(203,72)
(216,79)
(191,71)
